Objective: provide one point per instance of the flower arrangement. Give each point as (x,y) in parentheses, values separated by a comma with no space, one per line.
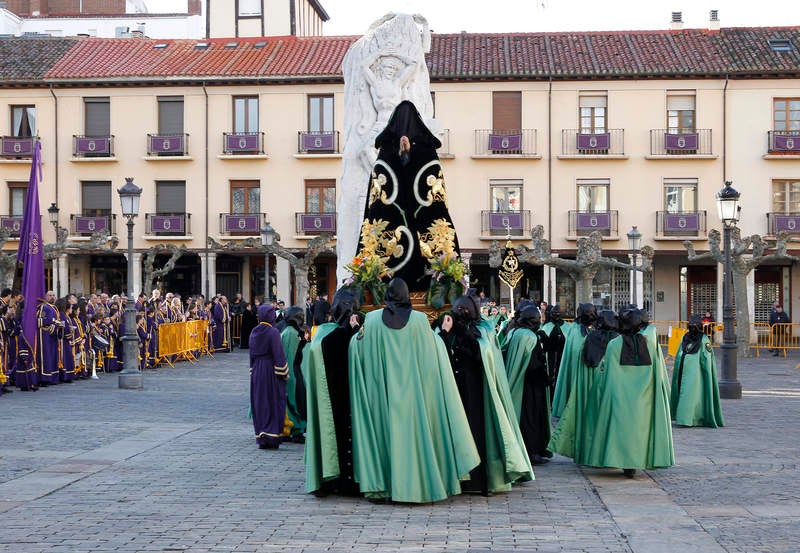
(447,269)
(369,268)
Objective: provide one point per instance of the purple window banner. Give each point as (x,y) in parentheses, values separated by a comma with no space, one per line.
(167,223)
(686,141)
(17,146)
(676,222)
(502,142)
(593,221)
(594,141)
(166,144)
(241,142)
(96,145)
(789,223)
(317,141)
(501,221)
(243,223)
(786,142)
(91,224)
(318,222)
(13,223)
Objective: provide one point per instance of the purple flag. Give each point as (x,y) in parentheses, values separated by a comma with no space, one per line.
(31,251)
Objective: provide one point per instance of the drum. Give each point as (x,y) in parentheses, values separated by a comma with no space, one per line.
(99,343)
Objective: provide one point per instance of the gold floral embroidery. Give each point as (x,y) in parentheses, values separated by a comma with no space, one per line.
(437,193)
(376,188)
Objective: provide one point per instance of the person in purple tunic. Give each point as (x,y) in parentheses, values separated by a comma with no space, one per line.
(268,374)
(48,347)
(222,318)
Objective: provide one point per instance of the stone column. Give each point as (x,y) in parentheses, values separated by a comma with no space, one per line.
(63,275)
(246,278)
(208,273)
(283,279)
(466,257)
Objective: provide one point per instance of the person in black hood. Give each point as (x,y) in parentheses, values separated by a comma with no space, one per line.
(634,345)
(397,302)
(605,329)
(553,343)
(569,367)
(294,337)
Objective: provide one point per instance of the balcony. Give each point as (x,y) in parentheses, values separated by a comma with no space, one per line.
(86,147)
(241,224)
(12,222)
(601,145)
(783,145)
(444,152)
(666,144)
(86,225)
(310,224)
(680,224)
(167,145)
(243,144)
(505,223)
(310,143)
(17,147)
(777,222)
(175,224)
(583,223)
(491,143)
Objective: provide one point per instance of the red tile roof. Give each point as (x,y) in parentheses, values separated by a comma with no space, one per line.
(520,56)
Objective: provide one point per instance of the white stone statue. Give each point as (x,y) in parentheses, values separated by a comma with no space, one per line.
(381,69)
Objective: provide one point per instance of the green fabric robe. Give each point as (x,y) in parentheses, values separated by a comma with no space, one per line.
(694,400)
(411,438)
(569,368)
(627,419)
(321,453)
(506,458)
(291,341)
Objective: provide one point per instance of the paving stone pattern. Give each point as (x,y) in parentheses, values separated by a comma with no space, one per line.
(87,467)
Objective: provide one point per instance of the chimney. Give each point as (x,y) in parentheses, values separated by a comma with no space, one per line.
(677,21)
(713,20)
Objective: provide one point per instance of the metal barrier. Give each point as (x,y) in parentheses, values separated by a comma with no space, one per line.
(783,336)
(236,329)
(664,331)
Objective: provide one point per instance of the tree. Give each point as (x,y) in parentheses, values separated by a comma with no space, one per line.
(742,263)
(149,258)
(587,263)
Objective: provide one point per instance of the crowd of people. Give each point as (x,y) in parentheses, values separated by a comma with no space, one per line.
(394,408)
(80,336)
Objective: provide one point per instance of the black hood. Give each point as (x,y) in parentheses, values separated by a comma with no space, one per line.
(634,345)
(295,316)
(345,303)
(398,304)
(530,317)
(406,121)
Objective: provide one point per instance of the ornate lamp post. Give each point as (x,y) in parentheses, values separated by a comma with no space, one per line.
(728,209)
(52,212)
(267,239)
(130,377)
(634,245)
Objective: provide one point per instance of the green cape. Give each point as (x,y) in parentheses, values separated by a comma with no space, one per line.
(506,458)
(568,370)
(321,454)
(411,438)
(291,341)
(627,412)
(694,400)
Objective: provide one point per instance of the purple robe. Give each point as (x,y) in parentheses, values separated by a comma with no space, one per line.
(48,346)
(67,372)
(221,333)
(267,389)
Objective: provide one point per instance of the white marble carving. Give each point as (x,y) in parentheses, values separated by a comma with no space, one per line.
(381,69)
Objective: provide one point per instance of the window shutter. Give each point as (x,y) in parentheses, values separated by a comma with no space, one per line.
(98,116)
(96,196)
(506,111)
(596,101)
(170,115)
(680,103)
(171,197)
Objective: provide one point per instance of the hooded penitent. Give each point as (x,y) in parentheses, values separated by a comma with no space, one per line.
(267,384)
(293,339)
(398,304)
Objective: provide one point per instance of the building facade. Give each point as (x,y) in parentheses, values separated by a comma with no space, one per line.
(574,132)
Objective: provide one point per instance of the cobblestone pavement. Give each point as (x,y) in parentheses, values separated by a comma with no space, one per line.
(87,467)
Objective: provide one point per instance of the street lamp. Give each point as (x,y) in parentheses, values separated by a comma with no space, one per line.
(634,245)
(267,239)
(130,378)
(728,209)
(52,212)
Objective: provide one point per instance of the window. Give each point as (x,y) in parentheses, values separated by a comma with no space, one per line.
(786,114)
(170,197)
(506,111)
(245,114)
(17,192)
(593,112)
(786,196)
(170,115)
(249,8)
(680,195)
(23,120)
(593,195)
(506,195)
(97,116)
(321,196)
(320,114)
(680,112)
(245,196)
(96,198)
